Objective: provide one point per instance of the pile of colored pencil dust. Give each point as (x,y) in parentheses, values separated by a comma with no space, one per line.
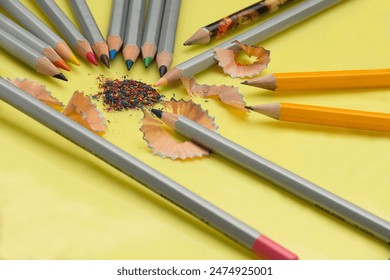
(122,95)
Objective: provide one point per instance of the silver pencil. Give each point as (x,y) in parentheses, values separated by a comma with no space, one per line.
(288,181)
(116,30)
(144,174)
(253,36)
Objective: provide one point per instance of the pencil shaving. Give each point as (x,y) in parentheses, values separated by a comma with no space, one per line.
(81,110)
(227,94)
(163,142)
(38,91)
(228,60)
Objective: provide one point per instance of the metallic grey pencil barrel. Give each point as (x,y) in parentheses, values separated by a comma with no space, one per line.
(118,18)
(22,34)
(257,34)
(86,20)
(61,21)
(19,49)
(135,22)
(129,165)
(169,25)
(30,21)
(285,179)
(152,28)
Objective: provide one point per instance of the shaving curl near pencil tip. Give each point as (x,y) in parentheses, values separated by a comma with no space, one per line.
(228,60)
(164,143)
(227,94)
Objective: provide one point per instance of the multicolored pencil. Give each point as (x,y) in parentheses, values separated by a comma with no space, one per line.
(223,26)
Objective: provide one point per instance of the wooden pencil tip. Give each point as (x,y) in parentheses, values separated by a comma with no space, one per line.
(147,61)
(186,43)
(244,82)
(62,64)
(73,59)
(157,113)
(129,64)
(113,54)
(162,70)
(161,82)
(60,76)
(91,58)
(106,61)
(249,108)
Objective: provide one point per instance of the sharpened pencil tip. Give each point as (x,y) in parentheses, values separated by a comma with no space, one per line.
(60,77)
(147,61)
(186,43)
(129,64)
(61,64)
(162,70)
(157,113)
(113,54)
(106,61)
(248,107)
(73,59)
(91,58)
(244,82)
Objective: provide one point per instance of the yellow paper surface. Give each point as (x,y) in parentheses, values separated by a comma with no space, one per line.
(57,201)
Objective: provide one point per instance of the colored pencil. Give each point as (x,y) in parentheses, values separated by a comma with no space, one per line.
(255,35)
(37,27)
(296,185)
(144,174)
(117,26)
(70,32)
(327,116)
(133,32)
(28,55)
(91,30)
(152,30)
(167,35)
(223,26)
(342,79)
(32,41)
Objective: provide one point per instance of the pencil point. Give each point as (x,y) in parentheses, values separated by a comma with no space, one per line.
(106,61)
(249,108)
(62,64)
(162,70)
(113,54)
(129,64)
(91,58)
(60,77)
(157,113)
(186,43)
(73,59)
(147,61)
(244,82)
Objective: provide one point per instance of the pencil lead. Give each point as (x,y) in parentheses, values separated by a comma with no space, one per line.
(157,113)
(249,108)
(62,64)
(129,64)
(244,82)
(91,58)
(61,77)
(186,43)
(147,61)
(106,61)
(162,70)
(113,54)
(73,59)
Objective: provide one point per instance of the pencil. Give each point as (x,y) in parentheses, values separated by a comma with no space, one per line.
(91,30)
(342,79)
(167,35)
(117,26)
(327,116)
(296,185)
(28,55)
(70,32)
(223,26)
(133,32)
(253,36)
(243,234)
(37,27)
(151,31)
(32,41)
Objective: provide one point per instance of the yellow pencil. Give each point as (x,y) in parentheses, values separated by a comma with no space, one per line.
(342,79)
(325,116)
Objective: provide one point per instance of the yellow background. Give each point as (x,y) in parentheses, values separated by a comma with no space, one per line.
(57,201)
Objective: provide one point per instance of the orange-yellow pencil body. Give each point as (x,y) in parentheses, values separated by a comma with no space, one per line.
(343,79)
(325,116)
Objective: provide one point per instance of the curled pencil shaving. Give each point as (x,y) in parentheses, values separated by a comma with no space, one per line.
(227,59)
(163,143)
(227,94)
(81,110)
(38,91)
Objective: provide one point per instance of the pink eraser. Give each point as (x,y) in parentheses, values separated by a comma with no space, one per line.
(269,250)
